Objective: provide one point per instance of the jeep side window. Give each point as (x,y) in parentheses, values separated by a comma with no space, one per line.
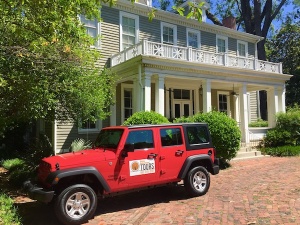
(170,137)
(141,139)
(109,138)
(197,135)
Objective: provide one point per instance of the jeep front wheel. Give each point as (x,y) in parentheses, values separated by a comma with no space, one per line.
(76,204)
(197,181)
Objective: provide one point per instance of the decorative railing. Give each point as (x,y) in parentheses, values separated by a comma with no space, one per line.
(193,55)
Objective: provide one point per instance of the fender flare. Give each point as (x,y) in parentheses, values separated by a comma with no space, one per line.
(55,176)
(188,162)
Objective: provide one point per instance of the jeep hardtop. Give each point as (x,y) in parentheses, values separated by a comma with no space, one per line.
(126,158)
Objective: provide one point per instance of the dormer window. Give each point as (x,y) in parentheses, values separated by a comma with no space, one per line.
(193,38)
(169,33)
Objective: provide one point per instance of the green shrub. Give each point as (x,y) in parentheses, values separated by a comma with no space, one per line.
(11,164)
(226,135)
(259,123)
(277,137)
(146,117)
(8,213)
(282,151)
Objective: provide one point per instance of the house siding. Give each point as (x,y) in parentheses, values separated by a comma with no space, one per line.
(208,41)
(149,30)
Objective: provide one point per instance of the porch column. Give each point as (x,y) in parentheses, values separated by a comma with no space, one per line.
(206,95)
(137,95)
(147,92)
(236,106)
(272,100)
(160,95)
(281,99)
(244,113)
(113,116)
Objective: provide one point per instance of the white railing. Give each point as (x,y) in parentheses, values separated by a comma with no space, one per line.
(193,55)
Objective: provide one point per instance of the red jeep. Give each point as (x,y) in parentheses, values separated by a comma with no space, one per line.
(126,158)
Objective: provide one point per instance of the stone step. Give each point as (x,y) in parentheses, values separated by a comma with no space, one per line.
(248,154)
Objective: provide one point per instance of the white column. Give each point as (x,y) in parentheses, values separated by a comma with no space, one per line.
(206,95)
(236,106)
(272,100)
(113,116)
(147,92)
(160,95)
(137,95)
(281,99)
(244,113)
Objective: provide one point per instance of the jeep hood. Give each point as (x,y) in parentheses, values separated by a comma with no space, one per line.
(81,158)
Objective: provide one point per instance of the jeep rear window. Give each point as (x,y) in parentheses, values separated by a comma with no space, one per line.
(109,138)
(170,136)
(197,135)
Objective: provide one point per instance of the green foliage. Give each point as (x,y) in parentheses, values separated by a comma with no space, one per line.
(12,164)
(146,117)
(47,64)
(259,123)
(8,213)
(287,150)
(19,171)
(287,130)
(225,132)
(80,144)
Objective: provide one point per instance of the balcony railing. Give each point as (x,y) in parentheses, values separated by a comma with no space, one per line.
(194,55)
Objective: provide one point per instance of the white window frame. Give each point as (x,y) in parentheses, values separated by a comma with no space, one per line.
(174,27)
(226,43)
(228,100)
(246,48)
(98,42)
(125,86)
(188,30)
(93,130)
(137,29)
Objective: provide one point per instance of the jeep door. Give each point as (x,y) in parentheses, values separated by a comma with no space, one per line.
(172,152)
(140,165)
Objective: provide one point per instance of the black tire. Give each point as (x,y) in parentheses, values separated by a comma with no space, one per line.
(76,204)
(197,181)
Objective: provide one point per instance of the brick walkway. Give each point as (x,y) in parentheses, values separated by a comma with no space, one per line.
(256,191)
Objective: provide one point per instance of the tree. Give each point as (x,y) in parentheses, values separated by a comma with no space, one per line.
(47,67)
(284,47)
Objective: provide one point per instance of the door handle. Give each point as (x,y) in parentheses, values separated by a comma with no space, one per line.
(152,156)
(178,152)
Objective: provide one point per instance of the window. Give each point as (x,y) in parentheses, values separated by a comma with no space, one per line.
(141,139)
(171,136)
(92,28)
(222,44)
(127,101)
(129,30)
(181,94)
(197,135)
(109,138)
(242,49)
(193,38)
(224,102)
(89,126)
(168,34)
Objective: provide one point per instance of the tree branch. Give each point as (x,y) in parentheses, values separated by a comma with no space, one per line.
(214,19)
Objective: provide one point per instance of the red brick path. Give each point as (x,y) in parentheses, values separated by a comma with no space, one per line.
(256,191)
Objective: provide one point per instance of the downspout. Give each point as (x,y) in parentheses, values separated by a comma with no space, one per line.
(142,88)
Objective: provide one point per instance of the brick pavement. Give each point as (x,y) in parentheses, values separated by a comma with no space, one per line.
(253,191)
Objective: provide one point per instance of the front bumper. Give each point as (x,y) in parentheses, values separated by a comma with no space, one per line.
(38,193)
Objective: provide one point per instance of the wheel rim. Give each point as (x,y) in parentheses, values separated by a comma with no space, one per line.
(77,205)
(199,181)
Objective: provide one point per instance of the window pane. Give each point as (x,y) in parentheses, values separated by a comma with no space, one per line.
(221,45)
(168,36)
(185,94)
(170,137)
(223,103)
(88,125)
(177,93)
(140,139)
(177,110)
(128,32)
(192,40)
(242,49)
(197,135)
(186,110)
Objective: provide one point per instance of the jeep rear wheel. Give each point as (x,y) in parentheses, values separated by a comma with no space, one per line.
(76,204)
(197,181)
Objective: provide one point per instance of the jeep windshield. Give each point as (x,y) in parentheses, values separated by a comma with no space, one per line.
(109,138)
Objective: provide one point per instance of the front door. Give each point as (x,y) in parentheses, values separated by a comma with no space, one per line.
(141,165)
(182,108)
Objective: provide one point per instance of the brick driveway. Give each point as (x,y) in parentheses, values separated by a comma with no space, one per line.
(254,191)
(257,191)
